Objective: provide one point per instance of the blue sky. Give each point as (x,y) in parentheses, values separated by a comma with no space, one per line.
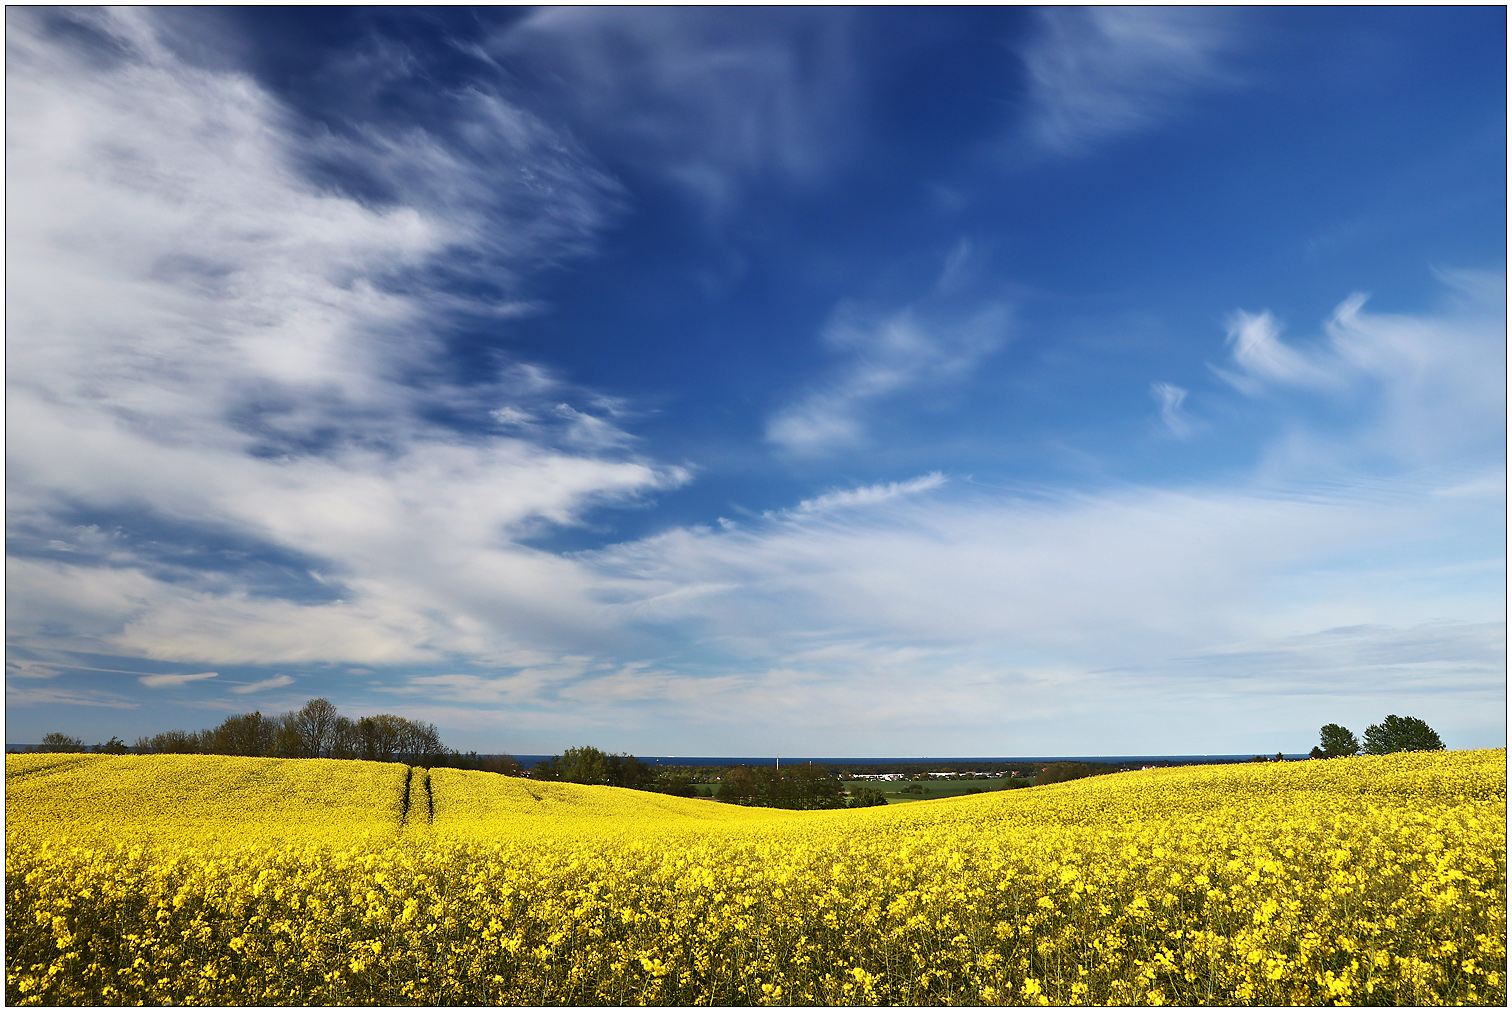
(853,381)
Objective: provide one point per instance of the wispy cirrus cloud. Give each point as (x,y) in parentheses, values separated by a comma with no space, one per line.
(712,101)
(871,495)
(1422,388)
(1257,348)
(1168,601)
(276,682)
(173,681)
(1143,567)
(1052,593)
(29,695)
(247,442)
(887,355)
(1170,398)
(225,368)
(1095,73)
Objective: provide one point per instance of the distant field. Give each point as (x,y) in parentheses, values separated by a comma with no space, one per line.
(77,796)
(216,880)
(898,791)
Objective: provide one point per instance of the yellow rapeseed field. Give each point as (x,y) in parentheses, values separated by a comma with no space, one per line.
(74,797)
(213,880)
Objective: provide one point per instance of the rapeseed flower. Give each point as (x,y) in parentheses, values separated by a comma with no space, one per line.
(219,880)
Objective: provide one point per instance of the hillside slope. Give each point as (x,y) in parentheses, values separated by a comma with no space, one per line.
(205,880)
(469,802)
(79,793)
(75,796)
(71,796)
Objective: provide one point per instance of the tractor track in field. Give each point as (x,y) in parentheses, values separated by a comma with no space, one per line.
(412,808)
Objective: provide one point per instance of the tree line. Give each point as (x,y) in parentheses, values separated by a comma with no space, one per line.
(314,731)
(804,787)
(1394,734)
(807,786)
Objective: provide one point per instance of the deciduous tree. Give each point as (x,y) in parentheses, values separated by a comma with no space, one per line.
(315,724)
(1336,740)
(1401,734)
(243,734)
(865,797)
(172,743)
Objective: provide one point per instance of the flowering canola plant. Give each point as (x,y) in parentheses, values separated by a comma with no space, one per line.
(218,880)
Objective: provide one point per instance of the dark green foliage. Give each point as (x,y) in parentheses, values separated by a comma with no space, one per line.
(677,785)
(286,742)
(114,746)
(501,764)
(57,741)
(1058,773)
(800,787)
(1335,740)
(314,731)
(739,786)
(1401,734)
(588,765)
(866,797)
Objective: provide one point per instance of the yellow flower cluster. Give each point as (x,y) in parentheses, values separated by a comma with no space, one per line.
(1378,880)
(61,797)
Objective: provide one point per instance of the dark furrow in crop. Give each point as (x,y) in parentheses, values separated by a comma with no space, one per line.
(57,767)
(404,806)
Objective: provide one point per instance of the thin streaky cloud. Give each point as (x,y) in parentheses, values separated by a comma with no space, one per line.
(238,368)
(418,360)
(1257,348)
(170,681)
(276,682)
(30,696)
(871,495)
(1170,398)
(715,102)
(1098,72)
(884,359)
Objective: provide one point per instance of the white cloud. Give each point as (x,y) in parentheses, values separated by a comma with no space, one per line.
(589,431)
(871,495)
(1170,398)
(200,334)
(511,415)
(1382,521)
(1423,389)
(1098,72)
(173,681)
(49,696)
(710,100)
(1145,569)
(978,618)
(1257,348)
(883,357)
(31,669)
(276,682)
